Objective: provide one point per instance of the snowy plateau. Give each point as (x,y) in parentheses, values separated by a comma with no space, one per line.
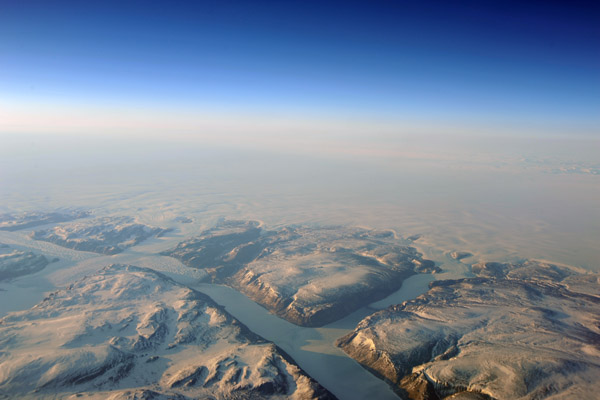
(528,330)
(109,235)
(132,333)
(309,276)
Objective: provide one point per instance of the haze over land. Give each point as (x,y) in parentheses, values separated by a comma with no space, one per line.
(506,197)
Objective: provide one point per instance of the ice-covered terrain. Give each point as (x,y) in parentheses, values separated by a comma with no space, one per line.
(130,332)
(108,235)
(14,222)
(477,202)
(15,263)
(525,330)
(309,276)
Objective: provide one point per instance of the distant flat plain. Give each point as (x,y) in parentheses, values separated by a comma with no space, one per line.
(498,198)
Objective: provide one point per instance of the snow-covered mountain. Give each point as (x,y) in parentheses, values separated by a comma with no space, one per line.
(518,331)
(15,263)
(109,235)
(129,332)
(309,276)
(14,222)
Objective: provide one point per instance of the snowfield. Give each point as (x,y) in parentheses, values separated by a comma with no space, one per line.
(130,332)
(517,331)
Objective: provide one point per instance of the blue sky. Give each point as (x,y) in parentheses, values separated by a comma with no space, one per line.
(534,62)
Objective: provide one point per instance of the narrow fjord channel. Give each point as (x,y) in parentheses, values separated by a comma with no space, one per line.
(314,348)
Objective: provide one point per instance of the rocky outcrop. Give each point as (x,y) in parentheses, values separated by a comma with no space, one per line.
(517,331)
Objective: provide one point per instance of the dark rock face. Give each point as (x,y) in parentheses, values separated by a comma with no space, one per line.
(519,331)
(15,222)
(102,235)
(308,276)
(15,263)
(130,332)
